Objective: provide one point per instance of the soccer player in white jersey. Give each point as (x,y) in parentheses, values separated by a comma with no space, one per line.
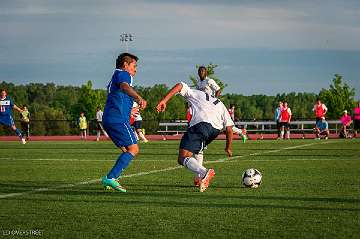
(209,118)
(137,124)
(207,84)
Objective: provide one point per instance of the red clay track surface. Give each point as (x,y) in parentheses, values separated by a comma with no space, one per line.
(157,137)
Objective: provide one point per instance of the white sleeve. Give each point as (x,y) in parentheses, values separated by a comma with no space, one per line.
(213,85)
(227,118)
(185,90)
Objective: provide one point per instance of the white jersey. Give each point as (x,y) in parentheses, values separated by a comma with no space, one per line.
(136,114)
(99,116)
(206,108)
(208,85)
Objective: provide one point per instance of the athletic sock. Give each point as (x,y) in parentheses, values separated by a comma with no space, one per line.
(200,159)
(194,166)
(121,163)
(18,133)
(142,136)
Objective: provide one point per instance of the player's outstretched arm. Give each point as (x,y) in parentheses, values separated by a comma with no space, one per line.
(229,137)
(131,92)
(17,108)
(161,106)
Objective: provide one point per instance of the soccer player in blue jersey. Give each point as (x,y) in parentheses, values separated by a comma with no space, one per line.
(116,117)
(6,118)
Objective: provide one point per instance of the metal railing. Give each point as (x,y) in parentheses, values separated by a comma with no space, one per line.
(301,126)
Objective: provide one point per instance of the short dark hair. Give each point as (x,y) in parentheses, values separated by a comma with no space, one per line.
(232,105)
(318,99)
(125,57)
(202,67)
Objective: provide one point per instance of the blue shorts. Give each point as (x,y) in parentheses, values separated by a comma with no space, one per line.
(7,120)
(198,136)
(120,133)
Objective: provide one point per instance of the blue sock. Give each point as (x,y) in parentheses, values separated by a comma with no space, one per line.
(121,163)
(18,133)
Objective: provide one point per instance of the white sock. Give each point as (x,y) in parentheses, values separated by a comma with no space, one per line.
(98,135)
(200,159)
(282,134)
(142,136)
(288,134)
(236,130)
(195,167)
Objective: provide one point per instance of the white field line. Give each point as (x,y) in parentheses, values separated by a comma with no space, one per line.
(9,195)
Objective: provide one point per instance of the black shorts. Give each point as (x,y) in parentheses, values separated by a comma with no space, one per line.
(286,125)
(198,136)
(357,124)
(137,124)
(99,125)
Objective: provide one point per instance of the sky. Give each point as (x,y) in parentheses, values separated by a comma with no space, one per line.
(260,47)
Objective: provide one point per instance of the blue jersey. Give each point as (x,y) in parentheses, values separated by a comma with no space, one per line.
(118,103)
(6,106)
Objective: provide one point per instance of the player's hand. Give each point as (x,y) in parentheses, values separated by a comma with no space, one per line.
(161,106)
(142,103)
(228,152)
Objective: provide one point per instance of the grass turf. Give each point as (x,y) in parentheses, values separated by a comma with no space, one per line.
(310,189)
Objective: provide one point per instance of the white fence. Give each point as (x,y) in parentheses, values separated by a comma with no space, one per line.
(302,126)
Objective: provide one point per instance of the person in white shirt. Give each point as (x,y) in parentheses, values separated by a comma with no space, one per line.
(99,125)
(209,118)
(207,84)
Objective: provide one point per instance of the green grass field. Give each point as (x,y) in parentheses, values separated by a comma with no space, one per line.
(310,189)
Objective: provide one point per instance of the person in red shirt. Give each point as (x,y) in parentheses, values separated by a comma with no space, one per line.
(285,118)
(320,110)
(356,119)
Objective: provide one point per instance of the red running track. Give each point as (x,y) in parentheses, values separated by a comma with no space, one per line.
(157,137)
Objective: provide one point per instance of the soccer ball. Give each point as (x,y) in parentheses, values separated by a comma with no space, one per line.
(251,178)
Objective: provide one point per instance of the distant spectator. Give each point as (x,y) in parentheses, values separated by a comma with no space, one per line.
(277,115)
(82,125)
(232,111)
(346,121)
(356,119)
(25,123)
(99,125)
(322,129)
(241,132)
(320,110)
(285,118)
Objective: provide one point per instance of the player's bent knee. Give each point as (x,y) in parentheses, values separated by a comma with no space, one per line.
(133,149)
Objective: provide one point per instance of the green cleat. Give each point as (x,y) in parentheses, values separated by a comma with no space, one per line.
(112,183)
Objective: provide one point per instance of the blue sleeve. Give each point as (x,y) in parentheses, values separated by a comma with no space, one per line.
(122,76)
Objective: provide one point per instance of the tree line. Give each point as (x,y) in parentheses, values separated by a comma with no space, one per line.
(54,109)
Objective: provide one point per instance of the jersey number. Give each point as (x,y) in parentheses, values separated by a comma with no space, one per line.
(2,108)
(208,99)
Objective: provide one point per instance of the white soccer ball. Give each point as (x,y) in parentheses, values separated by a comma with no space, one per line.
(251,178)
